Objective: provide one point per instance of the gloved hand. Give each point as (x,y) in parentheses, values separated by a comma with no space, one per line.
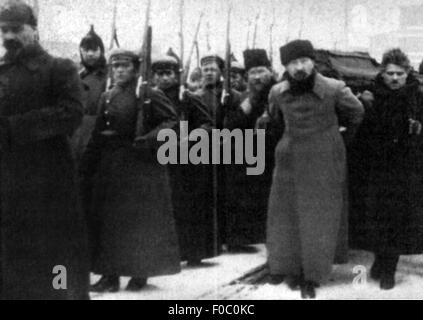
(263,122)
(415,127)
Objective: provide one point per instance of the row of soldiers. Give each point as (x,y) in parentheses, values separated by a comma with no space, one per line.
(203,207)
(121,213)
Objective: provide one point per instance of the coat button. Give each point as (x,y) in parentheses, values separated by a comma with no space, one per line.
(107,123)
(106,112)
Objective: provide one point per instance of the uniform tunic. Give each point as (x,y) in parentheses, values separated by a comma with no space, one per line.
(308,196)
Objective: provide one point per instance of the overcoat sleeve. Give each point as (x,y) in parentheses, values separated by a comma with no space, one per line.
(161,115)
(349,109)
(92,155)
(62,117)
(198,113)
(276,125)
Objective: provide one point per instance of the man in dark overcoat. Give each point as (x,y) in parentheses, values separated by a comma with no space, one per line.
(94,78)
(393,149)
(213,179)
(249,195)
(194,226)
(42,229)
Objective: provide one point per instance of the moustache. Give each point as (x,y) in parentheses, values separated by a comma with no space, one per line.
(12,45)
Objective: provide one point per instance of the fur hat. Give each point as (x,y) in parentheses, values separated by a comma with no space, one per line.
(296,49)
(122,55)
(256,58)
(92,41)
(17,13)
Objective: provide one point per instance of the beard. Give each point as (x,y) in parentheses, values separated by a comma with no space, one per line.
(13,47)
(301,82)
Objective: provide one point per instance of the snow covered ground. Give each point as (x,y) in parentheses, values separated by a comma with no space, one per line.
(350,282)
(192,283)
(215,280)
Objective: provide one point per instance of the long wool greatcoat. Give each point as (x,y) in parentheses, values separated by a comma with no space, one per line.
(393,220)
(212,184)
(248,195)
(93,85)
(41,224)
(194,224)
(132,228)
(308,196)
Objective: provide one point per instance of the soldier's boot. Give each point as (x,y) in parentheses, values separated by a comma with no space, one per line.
(106,284)
(276,279)
(136,284)
(308,289)
(387,279)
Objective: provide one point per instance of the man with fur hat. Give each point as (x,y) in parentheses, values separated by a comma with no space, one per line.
(194,226)
(43,252)
(213,67)
(94,79)
(392,140)
(131,222)
(247,209)
(308,196)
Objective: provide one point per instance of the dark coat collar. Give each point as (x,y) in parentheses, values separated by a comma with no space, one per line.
(33,57)
(320,86)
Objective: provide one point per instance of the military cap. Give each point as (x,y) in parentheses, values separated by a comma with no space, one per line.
(165,63)
(123,55)
(17,13)
(296,49)
(213,57)
(237,67)
(92,41)
(256,58)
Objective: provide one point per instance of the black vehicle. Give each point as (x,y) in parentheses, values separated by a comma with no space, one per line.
(357,69)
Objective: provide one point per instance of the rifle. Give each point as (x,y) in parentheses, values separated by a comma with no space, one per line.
(114,29)
(228,59)
(197,51)
(255,30)
(143,85)
(208,37)
(272,25)
(186,69)
(248,34)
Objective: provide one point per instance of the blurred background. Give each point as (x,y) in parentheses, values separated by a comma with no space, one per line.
(362,25)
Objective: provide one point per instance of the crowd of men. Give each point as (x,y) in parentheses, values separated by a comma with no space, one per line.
(81,187)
